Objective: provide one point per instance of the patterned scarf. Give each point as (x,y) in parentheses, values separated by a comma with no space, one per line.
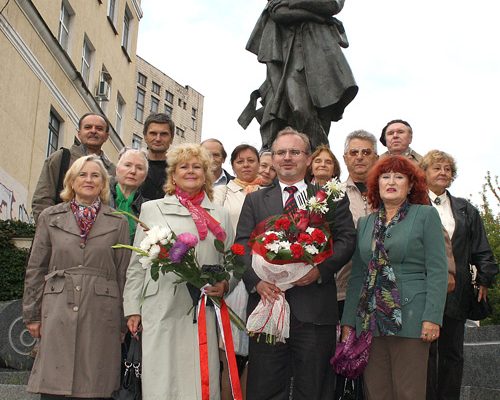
(85,216)
(201,217)
(249,187)
(380,304)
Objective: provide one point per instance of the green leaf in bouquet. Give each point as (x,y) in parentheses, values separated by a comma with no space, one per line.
(219,245)
(285,254)
(155,272)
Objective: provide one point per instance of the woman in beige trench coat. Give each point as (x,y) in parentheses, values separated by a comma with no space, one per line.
(73,289)
(170,348)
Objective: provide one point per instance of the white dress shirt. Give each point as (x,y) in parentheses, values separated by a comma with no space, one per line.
(443,206)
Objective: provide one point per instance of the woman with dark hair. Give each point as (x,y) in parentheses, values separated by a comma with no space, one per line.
(470,247)
(397,289)
(245,163)
(73,289)
(324,165)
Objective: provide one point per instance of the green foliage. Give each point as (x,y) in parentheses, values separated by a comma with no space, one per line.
(491,220)
(12,259)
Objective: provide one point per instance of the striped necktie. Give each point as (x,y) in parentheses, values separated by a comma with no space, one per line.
(290,204)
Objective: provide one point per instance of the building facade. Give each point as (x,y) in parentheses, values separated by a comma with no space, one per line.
(61,59)
(157,92)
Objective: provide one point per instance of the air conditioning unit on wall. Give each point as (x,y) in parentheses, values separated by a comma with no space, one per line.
(103,90)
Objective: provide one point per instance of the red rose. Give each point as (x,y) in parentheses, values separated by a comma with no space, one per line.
(316,219)
(282,223)
(238,249)
(303,224)
(272,237)
(321,195)
(305,238)
(163,253)
(297,250)
(318,236)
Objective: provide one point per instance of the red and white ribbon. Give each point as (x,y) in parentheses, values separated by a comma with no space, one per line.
(227,337)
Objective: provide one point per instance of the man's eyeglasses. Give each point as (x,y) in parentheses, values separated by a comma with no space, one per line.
(292,152)
(356,152)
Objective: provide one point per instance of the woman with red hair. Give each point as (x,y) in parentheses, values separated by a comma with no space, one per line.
(397,290)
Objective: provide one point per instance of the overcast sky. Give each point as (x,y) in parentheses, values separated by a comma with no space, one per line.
(434,64)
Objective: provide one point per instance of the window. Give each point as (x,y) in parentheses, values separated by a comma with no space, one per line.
(141,79)
(120,108)
(104,87)
(112,11)
(87,51)
(179,102)
(127,22)
(139,105)
(168,110)
(136,142)
(64,21)
(179,132)
(156,88)
(54,133)
(194,112)
(155,104)
(184,104)
(169,97)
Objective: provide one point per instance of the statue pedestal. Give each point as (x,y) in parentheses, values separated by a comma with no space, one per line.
(481,377)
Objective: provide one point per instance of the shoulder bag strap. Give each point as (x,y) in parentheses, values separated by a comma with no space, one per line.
(66,156)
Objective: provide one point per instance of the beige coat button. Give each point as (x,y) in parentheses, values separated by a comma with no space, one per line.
(75,308)
(78,288)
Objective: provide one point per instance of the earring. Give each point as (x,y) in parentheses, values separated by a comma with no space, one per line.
(173,182)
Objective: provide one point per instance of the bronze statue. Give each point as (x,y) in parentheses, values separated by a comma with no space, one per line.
(309,82)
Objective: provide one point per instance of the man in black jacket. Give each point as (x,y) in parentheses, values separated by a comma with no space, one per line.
(158,133)
(313,300)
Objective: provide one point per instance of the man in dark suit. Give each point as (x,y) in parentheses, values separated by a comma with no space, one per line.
(313,300)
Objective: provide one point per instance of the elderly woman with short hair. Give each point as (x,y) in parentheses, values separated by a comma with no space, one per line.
(267,173)
(126,193)
(73,289)
(160,308)
(470,247)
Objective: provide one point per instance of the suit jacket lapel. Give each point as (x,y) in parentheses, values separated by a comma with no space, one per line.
(273,201)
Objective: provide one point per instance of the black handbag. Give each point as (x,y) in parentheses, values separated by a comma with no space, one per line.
(130,388)
(478,310)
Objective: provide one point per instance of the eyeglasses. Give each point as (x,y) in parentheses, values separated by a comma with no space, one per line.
(292,152)
(356,152)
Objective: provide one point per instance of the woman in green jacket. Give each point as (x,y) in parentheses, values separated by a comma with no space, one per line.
(397,289)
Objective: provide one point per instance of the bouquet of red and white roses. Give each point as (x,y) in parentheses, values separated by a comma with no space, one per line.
(285,248)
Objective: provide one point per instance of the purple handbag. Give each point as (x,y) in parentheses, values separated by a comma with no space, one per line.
(352,355)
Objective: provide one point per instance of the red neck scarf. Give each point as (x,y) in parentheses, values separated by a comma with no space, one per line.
(201,217)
